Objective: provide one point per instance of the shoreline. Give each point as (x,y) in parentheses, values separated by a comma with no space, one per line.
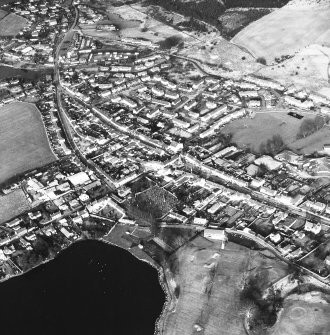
(161,278)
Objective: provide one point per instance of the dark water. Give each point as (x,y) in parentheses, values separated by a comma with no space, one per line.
(90,288)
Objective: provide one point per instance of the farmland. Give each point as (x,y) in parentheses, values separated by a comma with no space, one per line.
(23,141)
(208,285)
(12,24)
(285,31)
(13,204)
(252,132)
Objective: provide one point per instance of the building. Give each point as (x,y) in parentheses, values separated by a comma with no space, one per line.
(217,235)
(200,221)
(80,178)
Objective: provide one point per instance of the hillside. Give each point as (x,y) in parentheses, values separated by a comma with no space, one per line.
(308,69)
(287,30)
(211,10)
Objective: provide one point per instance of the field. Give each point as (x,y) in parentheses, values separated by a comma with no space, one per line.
(209,283)
(308,69)
(252,132)
(134,22)
(286,31)
(13,204)
(219,52)
(12,24)
(301,317)
(312,143)
(23,141)
(3,13)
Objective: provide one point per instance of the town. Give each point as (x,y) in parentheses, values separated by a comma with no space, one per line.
(128,112)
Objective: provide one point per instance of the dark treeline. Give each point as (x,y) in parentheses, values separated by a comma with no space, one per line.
(207,10)
(210,10)
(256,3)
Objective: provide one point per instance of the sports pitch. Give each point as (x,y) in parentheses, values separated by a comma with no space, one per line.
(12,24)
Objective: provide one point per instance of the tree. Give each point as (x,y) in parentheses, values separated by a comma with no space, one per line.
(272,146)
(170,42)
(262,60)
(310,126)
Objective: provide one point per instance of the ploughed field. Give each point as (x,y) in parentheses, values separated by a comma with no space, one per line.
(24,144)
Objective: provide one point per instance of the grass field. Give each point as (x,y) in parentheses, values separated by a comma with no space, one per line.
(12,24)
(218,51)
(286,31)
(135,23)
(302,318)
(312,143)
(3,13)
(252,132)
(23,141)
(210,282)
(13,204)
(308,69)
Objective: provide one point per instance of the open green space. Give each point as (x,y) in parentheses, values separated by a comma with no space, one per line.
(13,204)
(208,281)
(301,317)
(254,132)
(24,144)
(12,24)
(285,31)
(3,13)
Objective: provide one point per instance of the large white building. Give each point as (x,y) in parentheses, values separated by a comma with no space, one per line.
(217,235)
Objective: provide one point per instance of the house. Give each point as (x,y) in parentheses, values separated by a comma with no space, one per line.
(314,228)
(326,148)
(268,191)
(214,208)
(297,103)
(296,254)
(275,238)
(67,234)
(175,216)
(327,260)
(200,221)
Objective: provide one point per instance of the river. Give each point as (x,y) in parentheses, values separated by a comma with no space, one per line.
(90,288)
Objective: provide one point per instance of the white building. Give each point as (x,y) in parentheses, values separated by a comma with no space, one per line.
(216,234)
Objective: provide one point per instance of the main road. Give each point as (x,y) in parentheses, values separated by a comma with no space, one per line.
(61,112)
